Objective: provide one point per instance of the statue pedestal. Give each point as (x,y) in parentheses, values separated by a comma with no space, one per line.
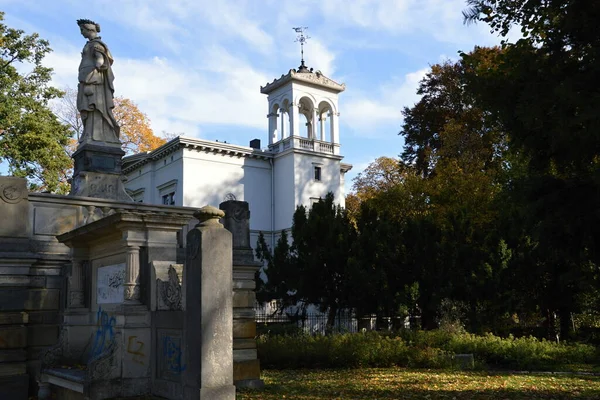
(98,172)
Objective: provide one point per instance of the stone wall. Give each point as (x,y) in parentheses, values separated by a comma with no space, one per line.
(33,266)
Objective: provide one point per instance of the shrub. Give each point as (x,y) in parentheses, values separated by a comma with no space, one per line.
(332,351)
(423,349)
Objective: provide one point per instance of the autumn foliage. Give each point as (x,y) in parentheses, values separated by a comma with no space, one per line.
(136,134)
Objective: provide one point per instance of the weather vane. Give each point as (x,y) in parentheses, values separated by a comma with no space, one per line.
(302,39)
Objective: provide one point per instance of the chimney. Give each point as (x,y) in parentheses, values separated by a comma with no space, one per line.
(255,144)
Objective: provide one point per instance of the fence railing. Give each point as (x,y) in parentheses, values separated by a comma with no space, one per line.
(310,323)
(314,323)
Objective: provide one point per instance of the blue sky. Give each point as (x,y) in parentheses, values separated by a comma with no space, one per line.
(195,67)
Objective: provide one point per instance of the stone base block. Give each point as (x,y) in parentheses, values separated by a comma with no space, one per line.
(253,384)
(100,185)
(248,370)
(244,329)
(218,393)
(14,387)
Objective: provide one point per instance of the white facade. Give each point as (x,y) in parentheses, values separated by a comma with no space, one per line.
(301,164)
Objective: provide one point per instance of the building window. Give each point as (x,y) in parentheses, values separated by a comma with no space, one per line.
(166,192)
(317,173)
(169,199)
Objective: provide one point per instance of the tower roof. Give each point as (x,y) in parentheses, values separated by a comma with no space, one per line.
(306,76)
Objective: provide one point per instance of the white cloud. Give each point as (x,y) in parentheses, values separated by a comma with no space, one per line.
(181,98)
(366,114)
(178,23)
(319,57)
(440,19)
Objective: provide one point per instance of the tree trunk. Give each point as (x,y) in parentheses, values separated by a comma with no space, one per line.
(566,327)
(550,325)
(329,327)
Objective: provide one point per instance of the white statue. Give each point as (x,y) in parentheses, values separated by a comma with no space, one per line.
(95,89)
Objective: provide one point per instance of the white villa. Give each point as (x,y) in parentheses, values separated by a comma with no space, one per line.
(301,164)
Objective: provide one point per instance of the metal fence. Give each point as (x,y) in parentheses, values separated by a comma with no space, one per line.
(314,322)
(308,323)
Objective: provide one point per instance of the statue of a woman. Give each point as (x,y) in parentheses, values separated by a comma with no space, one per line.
(95,89)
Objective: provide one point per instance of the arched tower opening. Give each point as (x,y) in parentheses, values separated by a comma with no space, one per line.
(284,117)
(306,109)
(325,112)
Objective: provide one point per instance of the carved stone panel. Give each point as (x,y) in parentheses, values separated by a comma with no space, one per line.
(169,290)
(14,207)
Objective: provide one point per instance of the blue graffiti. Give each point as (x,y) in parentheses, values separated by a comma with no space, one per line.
(105,334)
(172,353)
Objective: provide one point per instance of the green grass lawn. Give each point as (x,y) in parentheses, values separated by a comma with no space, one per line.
(400,383)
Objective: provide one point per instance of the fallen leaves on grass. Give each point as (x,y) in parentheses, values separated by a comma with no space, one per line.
(398,383)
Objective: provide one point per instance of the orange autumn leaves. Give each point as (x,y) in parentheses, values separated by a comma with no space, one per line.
(136,134)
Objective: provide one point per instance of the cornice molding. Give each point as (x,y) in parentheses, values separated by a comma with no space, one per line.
(313,78)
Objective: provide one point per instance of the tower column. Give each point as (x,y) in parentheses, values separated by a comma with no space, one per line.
(315,118)
(272,127)
(322,122)
(335,129)
(283,123)
(294,119)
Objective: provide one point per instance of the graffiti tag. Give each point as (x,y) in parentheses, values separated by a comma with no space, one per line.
(136,348)
(105,334)
(172,354)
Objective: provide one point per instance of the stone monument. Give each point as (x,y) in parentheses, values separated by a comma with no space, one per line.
(98,157)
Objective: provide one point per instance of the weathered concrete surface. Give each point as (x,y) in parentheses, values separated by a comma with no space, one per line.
(246,366)
(208,310)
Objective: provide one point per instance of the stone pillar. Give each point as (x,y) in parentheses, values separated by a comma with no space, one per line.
(246,366)
(322,121)
(132,275)
(208,320)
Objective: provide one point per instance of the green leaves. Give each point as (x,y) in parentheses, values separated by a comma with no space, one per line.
(32,140)
(314,267)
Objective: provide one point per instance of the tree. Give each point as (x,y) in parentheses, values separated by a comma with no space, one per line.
(382,174)
(281,271)
(543,90)
(32,140)
(314,268)
(136,134)
(457,150)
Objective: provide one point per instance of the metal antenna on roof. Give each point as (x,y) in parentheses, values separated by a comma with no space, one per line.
(302,38)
